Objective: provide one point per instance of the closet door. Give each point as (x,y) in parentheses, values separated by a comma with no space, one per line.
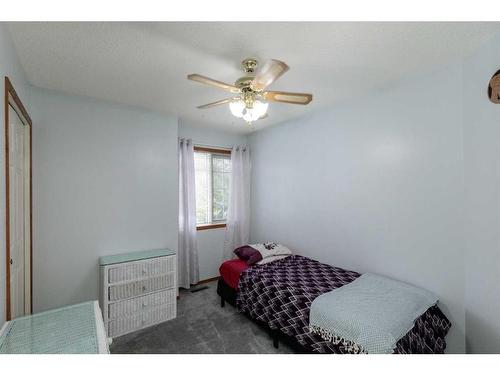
(18,202)
(17,198)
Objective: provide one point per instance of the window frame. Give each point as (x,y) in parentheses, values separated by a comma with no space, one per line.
(219,151)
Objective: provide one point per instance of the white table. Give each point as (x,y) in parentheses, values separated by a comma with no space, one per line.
(75,329)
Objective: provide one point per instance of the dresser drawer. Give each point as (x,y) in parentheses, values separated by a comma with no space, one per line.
(136,288)
(135,305)
(131,323)
(141,269)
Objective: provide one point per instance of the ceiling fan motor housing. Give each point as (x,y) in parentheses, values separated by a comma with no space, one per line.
(244,83)
(249,65)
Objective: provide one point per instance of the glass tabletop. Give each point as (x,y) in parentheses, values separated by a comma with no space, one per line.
(133,256)
(71,329)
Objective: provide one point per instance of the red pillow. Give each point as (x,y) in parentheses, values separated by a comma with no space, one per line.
(248,254)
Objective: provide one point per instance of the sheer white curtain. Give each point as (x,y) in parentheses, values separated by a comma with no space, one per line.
(188,271)
(238,213)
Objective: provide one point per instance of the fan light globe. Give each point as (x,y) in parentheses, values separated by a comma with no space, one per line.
(239,109)
(259,109)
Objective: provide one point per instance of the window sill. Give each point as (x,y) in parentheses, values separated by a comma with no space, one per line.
(210,226)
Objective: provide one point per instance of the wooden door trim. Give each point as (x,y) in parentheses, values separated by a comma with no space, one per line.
(10,91)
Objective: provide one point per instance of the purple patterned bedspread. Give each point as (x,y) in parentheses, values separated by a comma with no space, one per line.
(280,294)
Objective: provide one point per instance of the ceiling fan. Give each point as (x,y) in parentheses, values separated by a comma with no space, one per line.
(252,99)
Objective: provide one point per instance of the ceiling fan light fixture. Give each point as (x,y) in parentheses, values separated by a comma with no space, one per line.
(252,98)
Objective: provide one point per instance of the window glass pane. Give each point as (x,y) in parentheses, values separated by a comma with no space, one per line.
(218,163)
(218,180)
(201,197)
(218,213)
(218,205)
(220,186)
(227,180)
(212,178)
(200,160)
(219,196)
(227,164)
(202,187)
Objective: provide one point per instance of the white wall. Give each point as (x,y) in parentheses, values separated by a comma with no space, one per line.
(482,183)
(105,181)
(10,67)
(210,241)
(374,185)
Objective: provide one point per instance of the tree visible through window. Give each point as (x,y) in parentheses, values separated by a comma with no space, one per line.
(212,178)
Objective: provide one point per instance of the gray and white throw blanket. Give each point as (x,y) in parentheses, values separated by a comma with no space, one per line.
(280,294)
(370,314)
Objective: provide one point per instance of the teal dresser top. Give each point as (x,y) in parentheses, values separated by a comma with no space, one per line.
(136,255)
(72,329)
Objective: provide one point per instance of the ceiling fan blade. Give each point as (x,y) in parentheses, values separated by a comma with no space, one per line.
(270,72)
(287,97)
(213,82)
(214,104)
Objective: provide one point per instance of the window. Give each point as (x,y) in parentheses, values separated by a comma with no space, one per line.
(212,177)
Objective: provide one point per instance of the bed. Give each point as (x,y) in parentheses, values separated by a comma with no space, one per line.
(278,295)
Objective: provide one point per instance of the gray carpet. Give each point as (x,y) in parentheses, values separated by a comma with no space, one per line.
(201,326)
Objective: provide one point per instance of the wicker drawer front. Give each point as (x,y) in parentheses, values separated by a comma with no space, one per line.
(141,269)
(136,305)
(122,291)
(131,323)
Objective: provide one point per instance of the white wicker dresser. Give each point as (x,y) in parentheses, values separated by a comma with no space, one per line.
(138,290)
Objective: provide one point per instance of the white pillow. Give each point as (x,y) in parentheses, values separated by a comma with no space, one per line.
(272,259)
(271,249)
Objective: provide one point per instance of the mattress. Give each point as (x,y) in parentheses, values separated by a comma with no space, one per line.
(231,270)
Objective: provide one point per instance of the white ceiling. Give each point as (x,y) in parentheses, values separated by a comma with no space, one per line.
(145,64)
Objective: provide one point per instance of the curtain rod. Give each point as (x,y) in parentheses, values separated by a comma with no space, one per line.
(210,145)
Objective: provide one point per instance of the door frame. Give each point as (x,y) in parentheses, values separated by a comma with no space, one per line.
(10,93)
